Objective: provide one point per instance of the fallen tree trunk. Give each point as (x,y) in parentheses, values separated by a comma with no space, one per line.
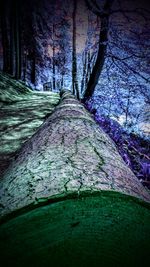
(73,164)
(69,153)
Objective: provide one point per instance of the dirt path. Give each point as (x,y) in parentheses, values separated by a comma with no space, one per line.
(19,120)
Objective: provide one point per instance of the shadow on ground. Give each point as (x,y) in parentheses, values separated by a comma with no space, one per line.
(19,120)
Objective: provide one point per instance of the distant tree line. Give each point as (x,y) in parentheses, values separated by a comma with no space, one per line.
(18,38)
(42,35)
(11,37)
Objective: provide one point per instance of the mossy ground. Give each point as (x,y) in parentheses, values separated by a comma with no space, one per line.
(22,111)
(102,229)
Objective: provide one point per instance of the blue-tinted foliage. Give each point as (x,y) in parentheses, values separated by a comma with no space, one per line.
(134,150)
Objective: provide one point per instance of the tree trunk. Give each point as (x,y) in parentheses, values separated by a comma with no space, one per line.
(62,82)
(54,67)
(17,40)
(74,59)
(12,40)
(94,77)
(103,39)
(70,193)
(33,69)
(84,61)
(127,106)
(88,71)
(70,136)
(24,66)
(5,39)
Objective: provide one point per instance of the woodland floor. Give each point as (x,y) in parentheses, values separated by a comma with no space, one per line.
(20,117)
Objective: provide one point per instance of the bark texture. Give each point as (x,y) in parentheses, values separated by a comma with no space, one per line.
(69,153)
(74,53)
(4,36)
(103,41)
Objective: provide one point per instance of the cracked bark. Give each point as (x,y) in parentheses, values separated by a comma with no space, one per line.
(69,153)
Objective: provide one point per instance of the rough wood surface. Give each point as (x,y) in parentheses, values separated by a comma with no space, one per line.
(69,153)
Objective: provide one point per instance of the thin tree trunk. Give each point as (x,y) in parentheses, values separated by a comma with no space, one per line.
(17,41)
(103,39)
(84,72)
(54,68)
(5,39)
(33,69)
(94,77)
(24,65)
(62,81)
(12,40)
(74,56)
(127,107)
(88,71)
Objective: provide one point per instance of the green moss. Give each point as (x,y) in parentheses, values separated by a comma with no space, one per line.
(21,113)
(99,229)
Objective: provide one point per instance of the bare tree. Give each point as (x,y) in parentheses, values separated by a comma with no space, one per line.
(5,36)
(74,59)
(11,37)
(104,14)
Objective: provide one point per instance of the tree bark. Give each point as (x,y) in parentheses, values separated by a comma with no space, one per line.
(5,38)
(33,69)
(84,61)
(17,34)
(24,66)
(69,153)
(69,188)
(54,67)
(12,39)
(15,39)
(103,39)
(74,59)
